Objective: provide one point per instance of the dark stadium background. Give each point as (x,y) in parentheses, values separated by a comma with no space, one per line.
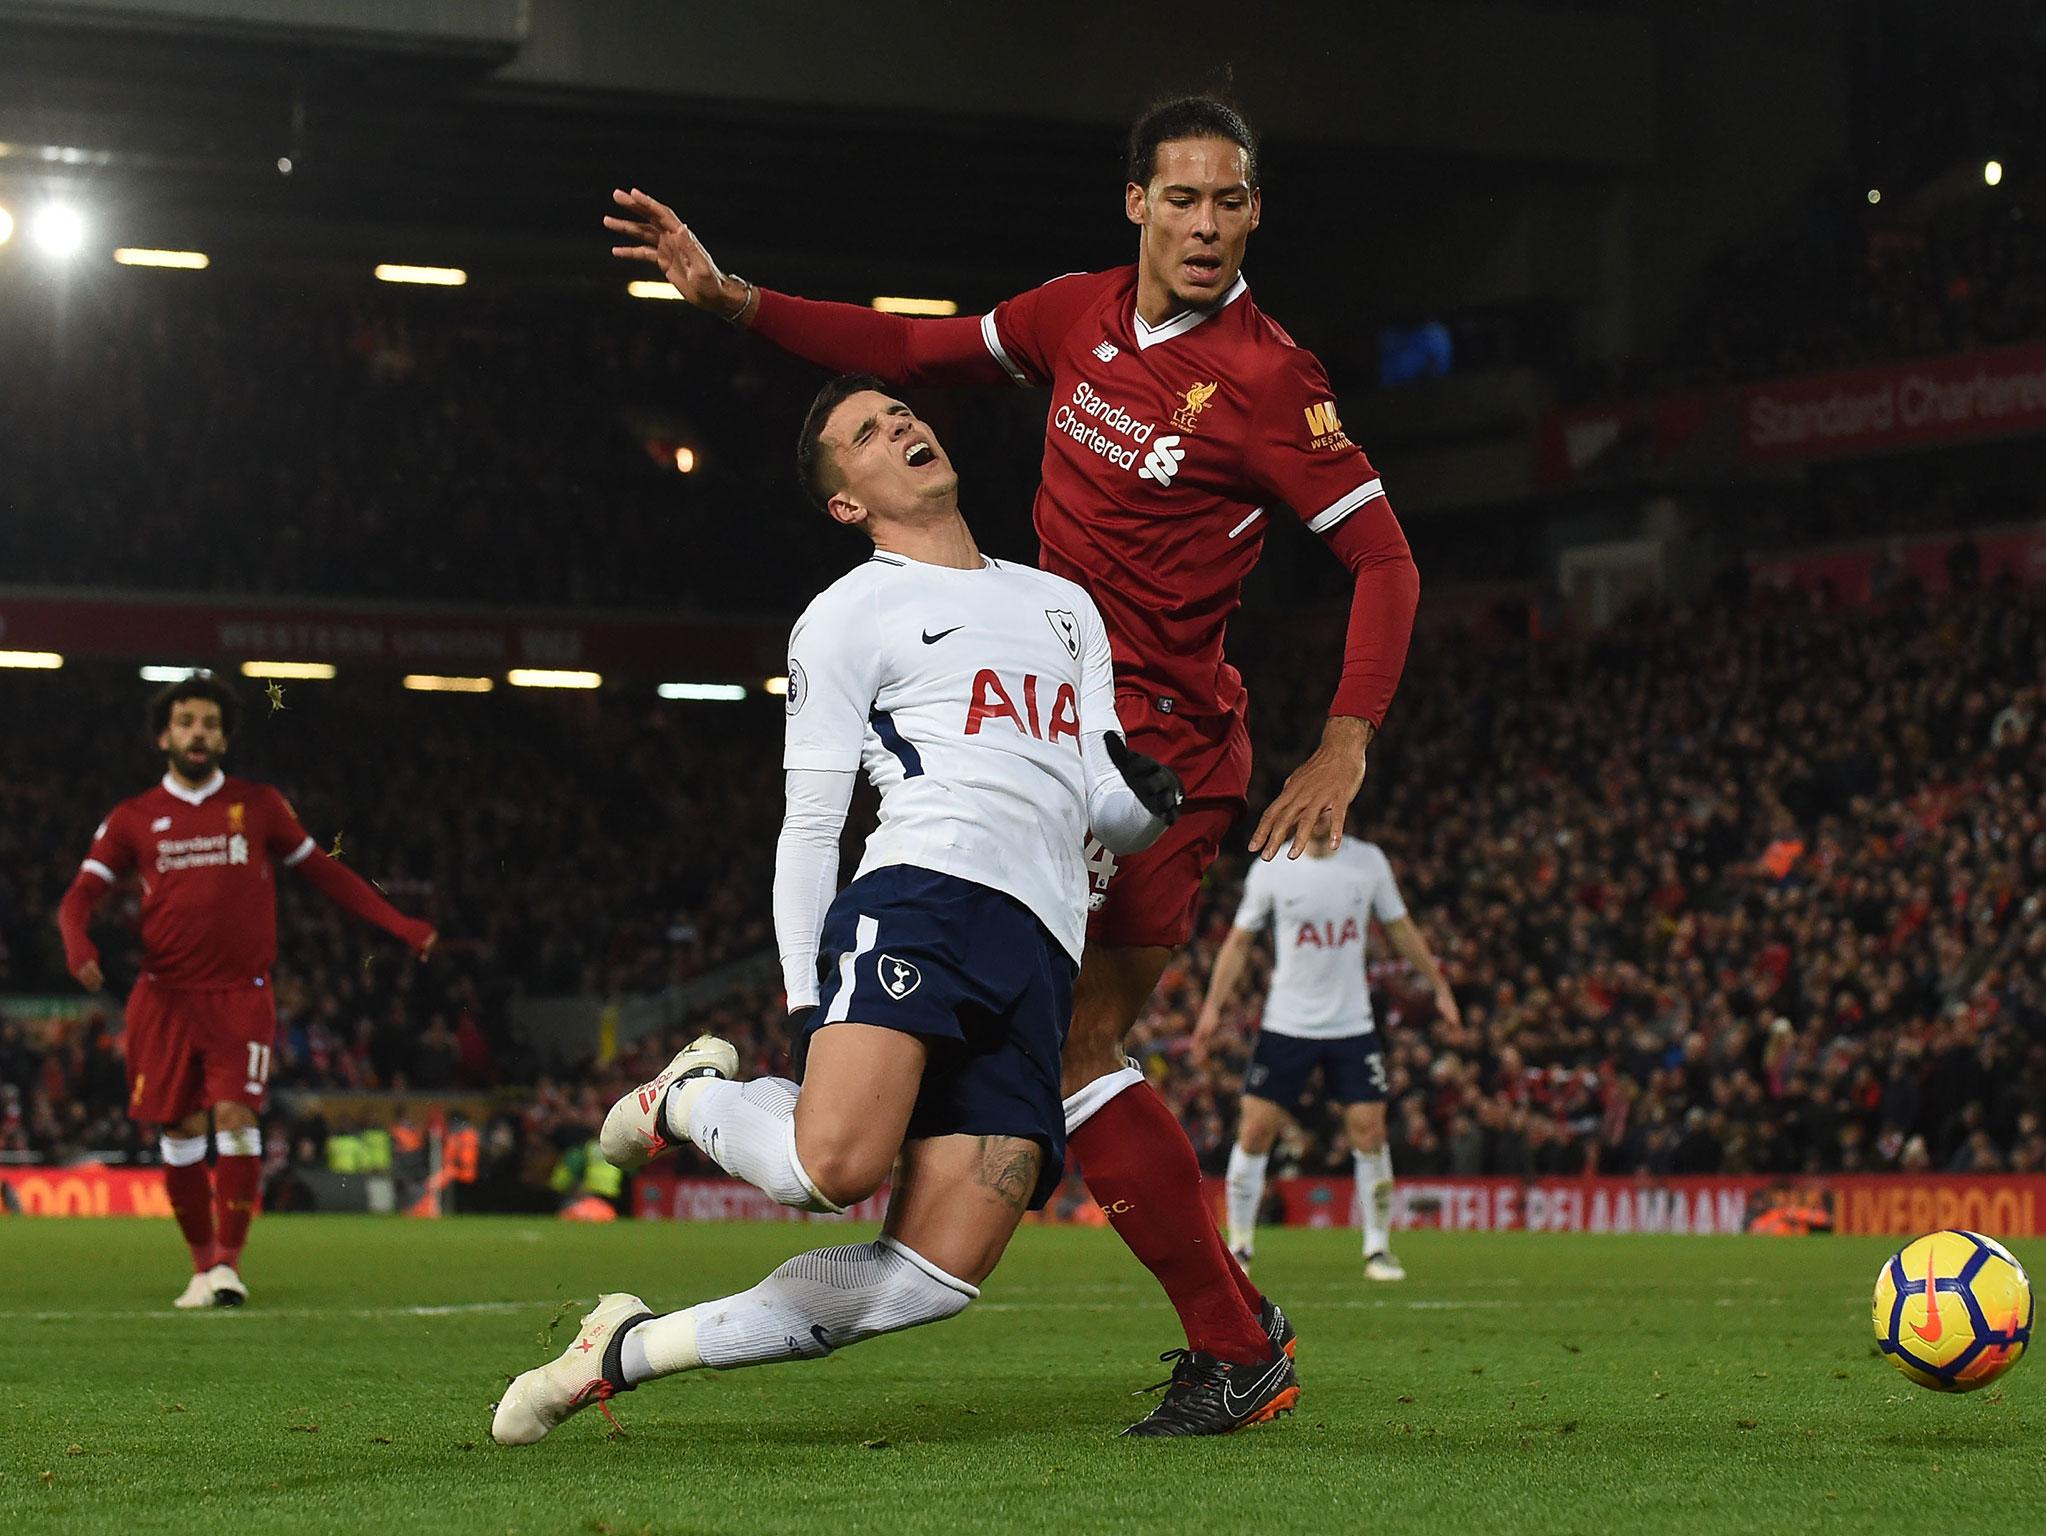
(1717,773)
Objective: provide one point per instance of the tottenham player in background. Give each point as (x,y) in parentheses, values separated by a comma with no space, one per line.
(1182,421)
(979,698)
(201,1020)
(1318,911)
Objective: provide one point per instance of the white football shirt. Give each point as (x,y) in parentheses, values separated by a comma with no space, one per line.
(963,694)
(1318,911)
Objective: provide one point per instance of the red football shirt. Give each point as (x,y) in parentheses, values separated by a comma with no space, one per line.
(1167,450)
(209,900)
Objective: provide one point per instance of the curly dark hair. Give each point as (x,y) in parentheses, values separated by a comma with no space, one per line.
(202,684)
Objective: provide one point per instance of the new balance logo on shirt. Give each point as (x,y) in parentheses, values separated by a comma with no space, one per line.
(1106,351)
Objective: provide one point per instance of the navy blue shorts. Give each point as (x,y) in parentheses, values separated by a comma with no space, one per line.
(980,979)
(1352,1068)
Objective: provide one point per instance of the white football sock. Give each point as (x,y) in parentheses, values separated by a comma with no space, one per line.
(1246,1193)
(1374,1198)
(815,1303)
(181,1151)
(749,1130)
(1081,1107)
(247,1142)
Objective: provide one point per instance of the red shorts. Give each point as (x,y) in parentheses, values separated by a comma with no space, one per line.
(188,1051)
(1153,897)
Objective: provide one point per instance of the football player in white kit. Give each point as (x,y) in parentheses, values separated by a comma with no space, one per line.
(979,698)
(1318,1014)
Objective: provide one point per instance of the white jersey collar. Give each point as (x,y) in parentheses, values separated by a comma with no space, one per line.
(1149,335)
(889,557)
(199,796)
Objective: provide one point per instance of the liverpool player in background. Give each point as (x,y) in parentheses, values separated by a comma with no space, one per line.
(201,1020)
(1182,418)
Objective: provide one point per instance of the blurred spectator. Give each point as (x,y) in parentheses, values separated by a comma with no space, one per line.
(1586,822)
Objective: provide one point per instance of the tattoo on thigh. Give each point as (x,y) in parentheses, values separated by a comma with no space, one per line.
(1008,1166)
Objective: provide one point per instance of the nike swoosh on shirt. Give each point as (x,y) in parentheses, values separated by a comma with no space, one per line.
(1236,1405)
(931,639)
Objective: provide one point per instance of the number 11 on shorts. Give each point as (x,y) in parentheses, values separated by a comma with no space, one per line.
(259,1068)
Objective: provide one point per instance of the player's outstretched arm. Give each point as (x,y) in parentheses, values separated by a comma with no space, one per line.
(1316,798)
(848,338)
(1230,963)
(1327,480)
(350,892)
(1407,938)
(652,234)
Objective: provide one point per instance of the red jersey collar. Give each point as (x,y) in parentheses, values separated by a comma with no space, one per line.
(1149,335)
(176,786)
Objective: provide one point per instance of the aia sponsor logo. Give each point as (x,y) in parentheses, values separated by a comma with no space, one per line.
(994,700)
(1327,935)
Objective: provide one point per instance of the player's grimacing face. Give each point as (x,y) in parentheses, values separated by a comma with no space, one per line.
(1196,216)
(195,740)
(888,461)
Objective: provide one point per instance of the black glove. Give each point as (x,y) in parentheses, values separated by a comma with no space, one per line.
(1156,785)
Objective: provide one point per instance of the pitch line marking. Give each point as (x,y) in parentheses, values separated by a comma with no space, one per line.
(453,1309)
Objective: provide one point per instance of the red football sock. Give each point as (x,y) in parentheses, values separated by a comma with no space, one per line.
(236,1183)
(191,1201)
(1253,1298)
(1140,1168)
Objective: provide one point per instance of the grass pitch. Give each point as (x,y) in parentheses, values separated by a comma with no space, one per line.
(1516,1384)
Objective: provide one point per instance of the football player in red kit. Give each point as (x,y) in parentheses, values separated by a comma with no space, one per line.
(201,1021)
(1182,419)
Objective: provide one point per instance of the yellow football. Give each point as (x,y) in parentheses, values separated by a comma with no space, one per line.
(1953,1310)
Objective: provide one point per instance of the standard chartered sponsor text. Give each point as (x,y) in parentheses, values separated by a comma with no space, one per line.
(201,852)
(1077,418)
(1914,401)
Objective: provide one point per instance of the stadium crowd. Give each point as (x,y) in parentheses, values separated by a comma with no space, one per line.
(587,843)
(1730,890)
(1753,888)
(439,446)
(1851,284)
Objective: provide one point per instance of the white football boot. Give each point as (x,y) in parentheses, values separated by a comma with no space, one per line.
(198,1292)
(1383,1266)
(228,1288)
(546,1395)
(634,1133)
